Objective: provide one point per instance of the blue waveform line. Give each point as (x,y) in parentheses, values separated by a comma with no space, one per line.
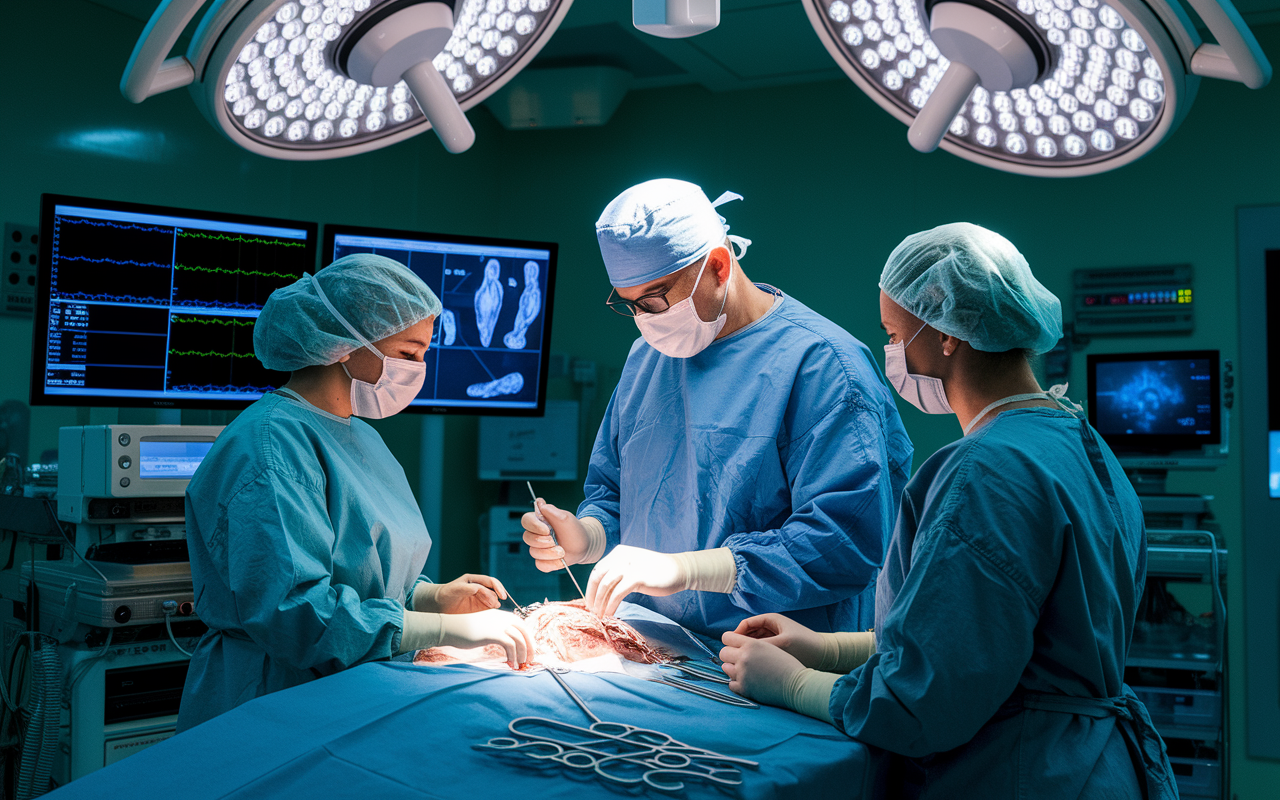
(210,388)
(107,224)
(105,260)
(110,298)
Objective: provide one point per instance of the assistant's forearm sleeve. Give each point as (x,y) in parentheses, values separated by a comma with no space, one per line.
(421,630)
(845,651)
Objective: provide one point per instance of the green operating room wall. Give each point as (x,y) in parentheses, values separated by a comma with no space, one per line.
(830,187)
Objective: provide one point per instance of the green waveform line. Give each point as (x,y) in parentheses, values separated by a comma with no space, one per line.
(245,239)
(243,323)
(237,271)
(210,353)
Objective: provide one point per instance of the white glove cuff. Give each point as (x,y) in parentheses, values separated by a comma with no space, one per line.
(809,693)
(421,630)
(596,540)
(845,651)
(708,570)
(424,597)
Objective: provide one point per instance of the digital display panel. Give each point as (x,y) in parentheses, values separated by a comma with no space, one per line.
(490,346)
(144,305)
(1156,401)
(1273,367)
(170,459)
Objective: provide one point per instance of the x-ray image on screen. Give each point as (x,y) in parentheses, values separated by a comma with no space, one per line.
(1154,397)
(488,345)
(1275,463)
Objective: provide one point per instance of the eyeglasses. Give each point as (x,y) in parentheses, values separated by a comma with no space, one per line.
(654,303)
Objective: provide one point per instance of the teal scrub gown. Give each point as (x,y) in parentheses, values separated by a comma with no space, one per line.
(1004,615)
(305,542)
(780,442)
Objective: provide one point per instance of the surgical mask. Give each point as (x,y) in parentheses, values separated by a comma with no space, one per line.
(679,332)
(921,391)
(399,383)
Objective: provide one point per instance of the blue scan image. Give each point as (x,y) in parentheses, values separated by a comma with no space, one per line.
(1275,463)
(1144,398)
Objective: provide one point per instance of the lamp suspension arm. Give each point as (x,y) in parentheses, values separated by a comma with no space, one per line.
(149,71)
(1236,56)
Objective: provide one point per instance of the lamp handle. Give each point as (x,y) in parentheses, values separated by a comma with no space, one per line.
(148,71)
(1236,56)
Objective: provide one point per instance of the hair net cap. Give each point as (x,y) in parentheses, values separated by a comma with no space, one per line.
(973,284)
(378,296)
(656,228)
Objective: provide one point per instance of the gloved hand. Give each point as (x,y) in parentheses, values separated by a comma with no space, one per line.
(632,569)
(787,635)
(489,627)
(760,671)
(576,539)
(465,594)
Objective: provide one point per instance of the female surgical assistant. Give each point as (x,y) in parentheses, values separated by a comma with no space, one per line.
(307,546)
(1007,600)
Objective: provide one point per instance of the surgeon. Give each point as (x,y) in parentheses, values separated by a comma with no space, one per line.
(1007,601)
(751,457)
(307,546)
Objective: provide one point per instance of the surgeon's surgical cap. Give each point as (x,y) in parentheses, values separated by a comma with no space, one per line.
(973,284)
(378,296)
(656,228)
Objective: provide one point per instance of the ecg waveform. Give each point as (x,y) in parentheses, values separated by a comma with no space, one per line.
(185,234)
(249,272)
(108,224)
(121,262)
(211,350)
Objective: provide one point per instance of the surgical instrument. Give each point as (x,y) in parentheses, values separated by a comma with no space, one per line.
(615,751)
(538,510)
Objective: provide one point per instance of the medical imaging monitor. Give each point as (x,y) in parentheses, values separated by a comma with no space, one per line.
(491,345)
(141,305)
(1159,410)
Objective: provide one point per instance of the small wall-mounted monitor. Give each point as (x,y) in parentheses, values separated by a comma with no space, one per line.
(491,345)
(1160,410)
(140,305)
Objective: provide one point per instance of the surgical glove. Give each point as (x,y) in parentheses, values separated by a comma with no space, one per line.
(758,670)
(423,630)
(581,541)
(634,569)
(463,595)
(831,652)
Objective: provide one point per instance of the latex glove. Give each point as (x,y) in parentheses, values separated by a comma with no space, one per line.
(577,540)
(489,627)
(841,652)
(632,569)
(465,594)
(786,634)
(759,670)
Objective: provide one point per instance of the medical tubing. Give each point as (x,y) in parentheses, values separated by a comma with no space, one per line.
(39,745)
(169,629)
(57,524)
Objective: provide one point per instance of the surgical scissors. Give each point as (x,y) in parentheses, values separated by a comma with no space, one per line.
(617,752)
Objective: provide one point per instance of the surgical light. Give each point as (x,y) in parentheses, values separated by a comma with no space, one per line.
(316,79)
(675,19)
(1037,87)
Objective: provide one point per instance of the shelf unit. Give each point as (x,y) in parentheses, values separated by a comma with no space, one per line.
(1179,671)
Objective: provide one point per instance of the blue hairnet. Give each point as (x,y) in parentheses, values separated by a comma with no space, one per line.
(973,284)
(377,295)
(658,227)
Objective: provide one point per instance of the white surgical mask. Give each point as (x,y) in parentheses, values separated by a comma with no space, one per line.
(921,391)
(399,383)
(679,332)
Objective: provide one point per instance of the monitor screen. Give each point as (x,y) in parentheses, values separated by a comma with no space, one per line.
(170,459)
(1272,266)
(490,347)
(1156,402)
(150,306)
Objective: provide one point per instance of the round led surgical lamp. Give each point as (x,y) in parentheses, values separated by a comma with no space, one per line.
(316,79)
(1037,87)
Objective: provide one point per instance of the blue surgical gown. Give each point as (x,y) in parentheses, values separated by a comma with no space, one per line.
(780,442)
(1017,565)
(305,542)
